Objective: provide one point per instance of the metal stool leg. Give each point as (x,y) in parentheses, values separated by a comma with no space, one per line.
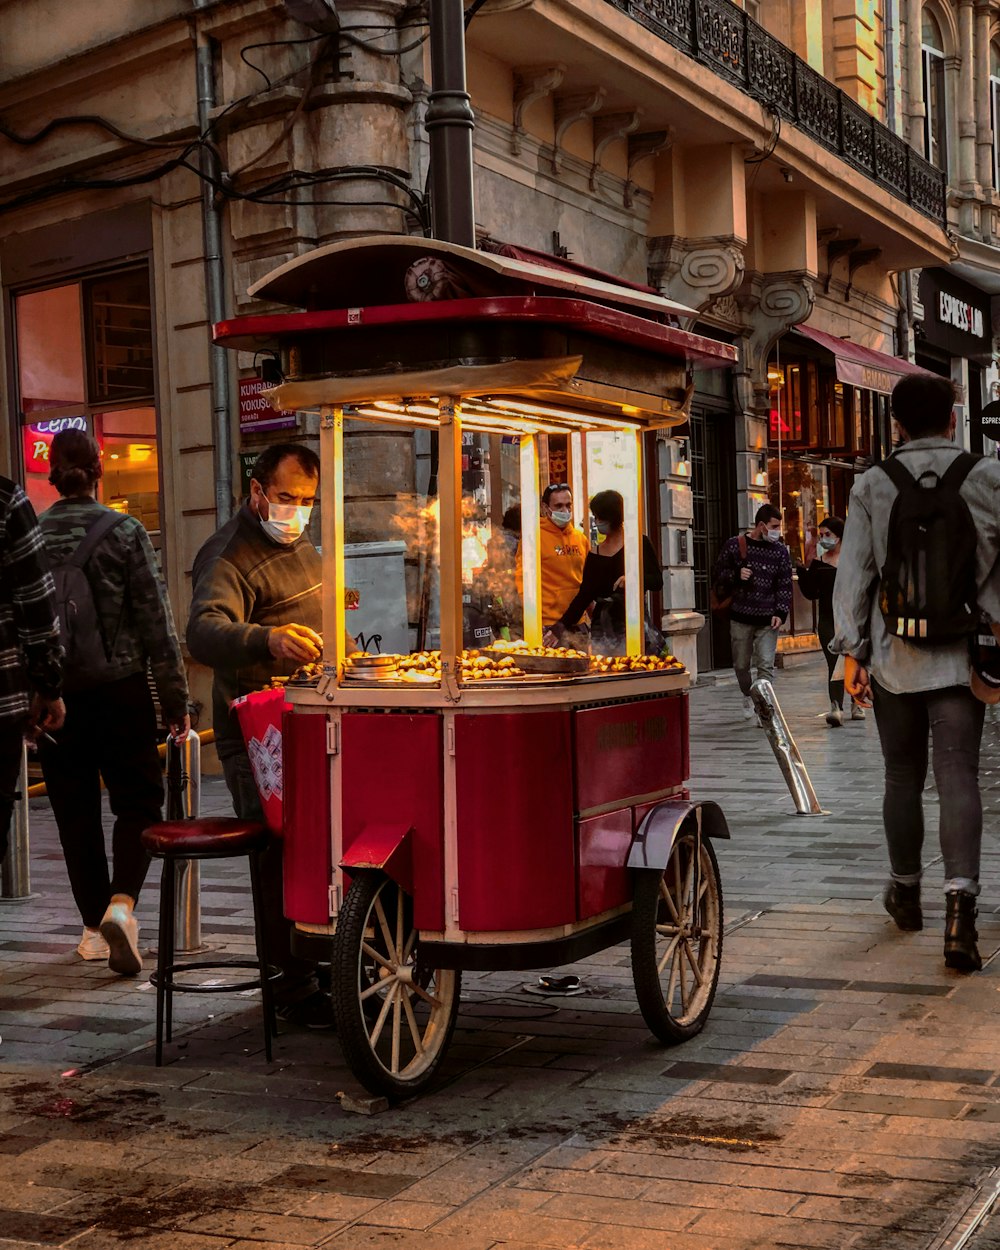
(267,999)
(163,955)
(170,869)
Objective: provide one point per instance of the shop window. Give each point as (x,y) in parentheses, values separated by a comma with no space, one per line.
(85,361)
(936,117)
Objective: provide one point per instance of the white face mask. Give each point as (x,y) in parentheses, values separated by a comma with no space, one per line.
(773,536)
(562,519)
(826,544)
(285,522)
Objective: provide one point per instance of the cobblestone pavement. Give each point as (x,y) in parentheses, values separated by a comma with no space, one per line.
(845,1093)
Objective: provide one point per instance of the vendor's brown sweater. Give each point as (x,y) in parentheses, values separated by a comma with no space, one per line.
(244,584)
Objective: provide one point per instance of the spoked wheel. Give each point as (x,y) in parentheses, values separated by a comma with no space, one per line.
(394,1015)
(677,939)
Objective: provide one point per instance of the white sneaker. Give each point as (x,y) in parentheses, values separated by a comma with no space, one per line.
(835,717)
(857,712)
(92,945)
(749,711)
(120,930)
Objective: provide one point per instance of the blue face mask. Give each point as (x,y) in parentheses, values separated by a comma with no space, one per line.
(826,544)
(602,527)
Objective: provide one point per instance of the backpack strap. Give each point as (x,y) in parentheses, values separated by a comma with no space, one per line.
(92,539)
(741,543)
(897,472)
(959,470)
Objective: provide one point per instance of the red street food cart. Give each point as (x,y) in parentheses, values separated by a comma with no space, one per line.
(497,809)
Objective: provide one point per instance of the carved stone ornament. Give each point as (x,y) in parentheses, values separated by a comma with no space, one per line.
(641,147)
(571,109)
(531,85)
(770,304)
(696,272)
(607,128)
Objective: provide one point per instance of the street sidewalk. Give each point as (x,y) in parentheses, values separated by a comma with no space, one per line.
(845,1093)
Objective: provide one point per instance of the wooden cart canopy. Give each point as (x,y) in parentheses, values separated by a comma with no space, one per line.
(373,270)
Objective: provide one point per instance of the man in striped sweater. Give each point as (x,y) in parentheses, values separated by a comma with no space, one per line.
(30,655)
(757,571)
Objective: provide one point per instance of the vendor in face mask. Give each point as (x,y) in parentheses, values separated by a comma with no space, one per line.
(563,551)
(256,613)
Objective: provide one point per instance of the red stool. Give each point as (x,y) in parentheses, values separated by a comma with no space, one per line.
(211,838)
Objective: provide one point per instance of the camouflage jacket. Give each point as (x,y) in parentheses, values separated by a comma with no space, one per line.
(129,594)
(29,627)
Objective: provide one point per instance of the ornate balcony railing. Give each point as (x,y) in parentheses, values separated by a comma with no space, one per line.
(722,36)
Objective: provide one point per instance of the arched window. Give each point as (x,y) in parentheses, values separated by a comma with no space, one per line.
(995,109)
(936,120)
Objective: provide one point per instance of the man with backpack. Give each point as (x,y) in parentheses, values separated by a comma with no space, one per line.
(752,586)
(115,622)
(30,670)
(919,566)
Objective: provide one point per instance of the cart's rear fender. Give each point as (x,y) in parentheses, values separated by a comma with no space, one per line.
(661,825)
(387,848)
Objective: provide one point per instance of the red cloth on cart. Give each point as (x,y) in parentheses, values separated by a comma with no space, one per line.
(259,715)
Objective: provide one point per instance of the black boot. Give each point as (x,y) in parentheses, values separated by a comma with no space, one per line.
(902,902)
(960,950)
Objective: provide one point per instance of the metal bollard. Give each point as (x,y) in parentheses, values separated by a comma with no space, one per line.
(184,803)
(15,880)
(785,751)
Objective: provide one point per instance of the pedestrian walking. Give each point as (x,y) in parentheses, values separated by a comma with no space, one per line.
(256,614)
(30,656)
(920,561)
(816,582)
(116,626)
(753,577)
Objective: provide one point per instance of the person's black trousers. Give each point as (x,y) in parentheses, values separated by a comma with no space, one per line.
(110,732)
(11,739)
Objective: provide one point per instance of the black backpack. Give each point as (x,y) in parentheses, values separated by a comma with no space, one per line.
(87,659)
(928,588)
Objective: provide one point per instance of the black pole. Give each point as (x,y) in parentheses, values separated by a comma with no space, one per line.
(450,122)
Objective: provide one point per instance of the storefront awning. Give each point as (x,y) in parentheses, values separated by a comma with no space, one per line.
(861,366)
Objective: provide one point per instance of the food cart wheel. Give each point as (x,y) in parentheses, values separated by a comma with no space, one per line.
(395,1016)
(677,939)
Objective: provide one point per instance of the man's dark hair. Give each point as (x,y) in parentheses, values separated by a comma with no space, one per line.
(922,404)
(767,512)
(552,488)
(608,505)
(512,519)
(266,464)
(74,462)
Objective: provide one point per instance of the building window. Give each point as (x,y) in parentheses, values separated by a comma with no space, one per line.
(85,361)
(995,110)
(753,9)
(936,118)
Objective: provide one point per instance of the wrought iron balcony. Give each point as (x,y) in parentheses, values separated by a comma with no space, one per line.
(722,36)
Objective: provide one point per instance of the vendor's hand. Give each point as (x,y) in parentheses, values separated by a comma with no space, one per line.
(857,682)
(45,716)
(179,729)
(549,638)
(745,574)
(776,622)
(298,643)
(620,583)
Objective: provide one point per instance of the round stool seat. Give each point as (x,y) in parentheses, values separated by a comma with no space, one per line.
(209,836)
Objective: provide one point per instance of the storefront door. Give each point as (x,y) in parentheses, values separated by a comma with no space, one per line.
(713,488)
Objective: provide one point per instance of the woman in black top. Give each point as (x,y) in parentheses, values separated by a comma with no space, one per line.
(603,581)
(816,582)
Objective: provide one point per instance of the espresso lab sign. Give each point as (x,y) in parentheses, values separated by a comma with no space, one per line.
(256,414)
(956,316)
(988,422)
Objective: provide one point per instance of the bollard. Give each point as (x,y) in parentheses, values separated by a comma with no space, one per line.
(785,751)
(15,880)
(184,803)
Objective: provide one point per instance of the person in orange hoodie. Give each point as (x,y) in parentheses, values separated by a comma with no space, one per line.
(563,551)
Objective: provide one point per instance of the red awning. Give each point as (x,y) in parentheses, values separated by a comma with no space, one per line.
(861,366)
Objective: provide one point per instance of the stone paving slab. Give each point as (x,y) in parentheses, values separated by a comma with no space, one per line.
(845,1092)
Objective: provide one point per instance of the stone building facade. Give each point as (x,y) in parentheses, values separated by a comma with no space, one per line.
(772,165)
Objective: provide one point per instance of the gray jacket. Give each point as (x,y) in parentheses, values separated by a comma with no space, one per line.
(899,666)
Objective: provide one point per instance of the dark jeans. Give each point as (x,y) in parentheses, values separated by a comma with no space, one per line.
(110,732)
(954,719)
(299,978)
(11,738)
(836,688)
